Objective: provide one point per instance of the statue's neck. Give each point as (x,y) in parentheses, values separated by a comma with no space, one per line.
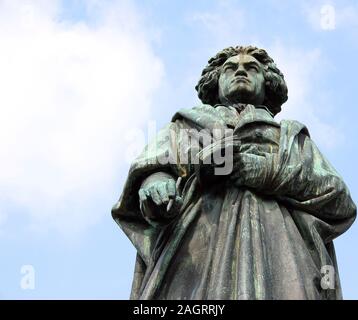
(239,106)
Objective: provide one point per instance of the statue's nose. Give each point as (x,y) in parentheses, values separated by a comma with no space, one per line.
(241,71)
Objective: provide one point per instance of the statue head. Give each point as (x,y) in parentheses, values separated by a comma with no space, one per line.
(242,75)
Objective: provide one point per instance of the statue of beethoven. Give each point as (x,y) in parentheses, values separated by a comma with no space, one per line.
(263,228)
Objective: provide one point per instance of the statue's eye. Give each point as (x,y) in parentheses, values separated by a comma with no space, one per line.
(253,68)
(229,67)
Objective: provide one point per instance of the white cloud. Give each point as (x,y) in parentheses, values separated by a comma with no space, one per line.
(69,93)
(330,15)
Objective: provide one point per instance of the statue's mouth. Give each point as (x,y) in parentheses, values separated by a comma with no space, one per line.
(241,79)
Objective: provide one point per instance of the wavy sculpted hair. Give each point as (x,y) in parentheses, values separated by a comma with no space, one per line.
(275,88)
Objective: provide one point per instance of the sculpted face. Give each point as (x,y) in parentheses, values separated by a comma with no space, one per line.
(242,81)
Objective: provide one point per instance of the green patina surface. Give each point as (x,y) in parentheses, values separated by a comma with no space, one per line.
(265,229)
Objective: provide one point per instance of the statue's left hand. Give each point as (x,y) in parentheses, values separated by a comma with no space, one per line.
(253,170)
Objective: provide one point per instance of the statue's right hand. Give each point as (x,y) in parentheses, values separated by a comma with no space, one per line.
(155,194)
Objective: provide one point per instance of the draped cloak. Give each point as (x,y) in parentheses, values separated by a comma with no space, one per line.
(236,242)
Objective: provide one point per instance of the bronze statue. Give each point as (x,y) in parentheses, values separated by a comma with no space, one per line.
(263,226)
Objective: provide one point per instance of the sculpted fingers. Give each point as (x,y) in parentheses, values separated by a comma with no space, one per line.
(171,189)
(155,199)
(144,204)
(163,193)
(154,194)
(175,208)
(179,201)
(142,195)
(159,199)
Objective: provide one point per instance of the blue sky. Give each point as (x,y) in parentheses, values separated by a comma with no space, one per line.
(81,79)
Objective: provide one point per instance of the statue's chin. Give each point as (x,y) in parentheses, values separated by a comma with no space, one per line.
(241,95)
(246,97)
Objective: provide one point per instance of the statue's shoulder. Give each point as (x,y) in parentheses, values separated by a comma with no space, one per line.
(293,127)
(194,112)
